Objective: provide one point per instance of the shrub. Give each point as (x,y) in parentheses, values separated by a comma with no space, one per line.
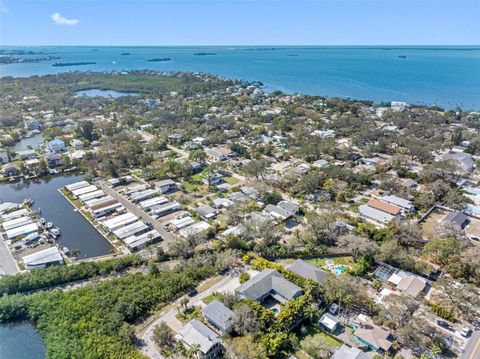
(244,277)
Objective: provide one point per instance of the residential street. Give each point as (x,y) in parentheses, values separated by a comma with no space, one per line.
(133,208)
(7,263)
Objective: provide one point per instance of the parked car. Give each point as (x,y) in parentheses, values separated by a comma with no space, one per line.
(445,325)
(192,292)
(465,332)
(333,309)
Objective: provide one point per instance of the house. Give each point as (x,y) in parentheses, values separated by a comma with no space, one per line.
(463,161)
(290,207)
(373,336)
(412,285)
(398,106)
(220,153)
(213,180)
(404,204)
(329,322)
(219,316)
(269,283)
(456,218)
(56,146)
(308,271)
(43,258)
(195,333)
(239,197)
(374,215)
(165,186)
(10,169)
(384,207)
(277,212)
(77,144)
(53,159)
(4,157)
(346,352)
(206,212)
(27,154)
(222,203)
(320,164)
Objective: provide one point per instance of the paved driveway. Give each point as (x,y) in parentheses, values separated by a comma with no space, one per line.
(7,263)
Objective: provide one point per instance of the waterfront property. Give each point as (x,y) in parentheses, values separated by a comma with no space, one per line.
(43,258)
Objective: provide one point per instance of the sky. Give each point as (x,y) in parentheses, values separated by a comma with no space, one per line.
(239,22)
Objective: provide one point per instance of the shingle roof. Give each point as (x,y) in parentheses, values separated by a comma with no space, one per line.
(218,313)
(265,282)
(384,207)
(457,218)
(375,335)
(308,271)
(195,332)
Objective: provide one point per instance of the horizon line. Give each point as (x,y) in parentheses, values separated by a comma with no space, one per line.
(238,45)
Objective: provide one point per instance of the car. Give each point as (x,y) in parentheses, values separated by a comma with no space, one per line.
(333,309)
(465,332)
(445,325)
(473,238)
(192,292)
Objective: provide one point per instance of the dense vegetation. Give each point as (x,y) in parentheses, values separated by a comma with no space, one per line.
(96,321)
(57,275)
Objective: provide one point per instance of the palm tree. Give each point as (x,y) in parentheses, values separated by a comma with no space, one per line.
(193,350)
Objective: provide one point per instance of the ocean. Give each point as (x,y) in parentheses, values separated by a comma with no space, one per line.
(447,76)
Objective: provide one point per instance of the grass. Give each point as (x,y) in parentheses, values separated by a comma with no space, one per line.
(314,331)
(210,298)
(231,180)
(209,282)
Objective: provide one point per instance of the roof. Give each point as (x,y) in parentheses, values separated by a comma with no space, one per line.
(288,206)
(412,285)
(49,255)
(206,211)
(265,282)
(276,211)
(384,207)
(399,202)
(167,182)
(218,313)
(345,352)
(308,271)
(457,218)
(195,332)
(375,336)
(464,161)
(329,321)
(375,214)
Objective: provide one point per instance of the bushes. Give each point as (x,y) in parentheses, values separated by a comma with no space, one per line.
(244,277)
(441,311)
(96,321)
(56,275)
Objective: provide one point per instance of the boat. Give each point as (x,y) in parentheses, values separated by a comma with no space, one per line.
(27,202)
(66,250)
(55,231)
(31,237)
(49,224)
(42,221)
(402,56)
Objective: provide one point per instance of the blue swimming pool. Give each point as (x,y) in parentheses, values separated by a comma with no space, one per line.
(338,270)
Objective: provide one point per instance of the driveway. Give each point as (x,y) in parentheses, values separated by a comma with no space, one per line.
(8,265)
(226,285)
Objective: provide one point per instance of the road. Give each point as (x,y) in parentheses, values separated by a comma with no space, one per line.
(227,284)
(133,208)
(7,263)
(472,349)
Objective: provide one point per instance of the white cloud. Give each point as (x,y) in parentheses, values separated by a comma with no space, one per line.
(60,20)
(3,7)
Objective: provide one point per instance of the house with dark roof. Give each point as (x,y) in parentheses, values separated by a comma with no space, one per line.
(290,207)
(456,218)
(371,336)
(346,352)
(277,212)
(165,186)
(269,284)
(206,211)
(308,271)
(219,316)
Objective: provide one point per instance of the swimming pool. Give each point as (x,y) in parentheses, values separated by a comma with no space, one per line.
(338,270)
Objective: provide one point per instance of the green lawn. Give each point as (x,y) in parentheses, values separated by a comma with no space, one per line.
(210,298)
(321,262)
(316,332)
(231,180)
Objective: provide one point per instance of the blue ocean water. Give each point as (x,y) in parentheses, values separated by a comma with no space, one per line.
(448,76)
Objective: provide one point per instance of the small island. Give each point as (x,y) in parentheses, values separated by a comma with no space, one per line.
(5,60)
(62,64)
(205,54)
(160,59)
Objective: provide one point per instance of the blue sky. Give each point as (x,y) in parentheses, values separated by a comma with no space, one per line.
(239,22)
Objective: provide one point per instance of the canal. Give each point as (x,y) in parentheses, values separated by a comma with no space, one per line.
(28,143)
(77,232)
(20,341)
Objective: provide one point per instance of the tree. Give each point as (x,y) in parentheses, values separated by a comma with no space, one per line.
(245,347)
(255,169)
(163,335)
(198,155)
(317,347)
(440,251)
(86,129)
(358,245)
(244,277)
(245,320)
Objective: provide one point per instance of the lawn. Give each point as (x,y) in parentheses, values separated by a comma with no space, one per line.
(321,262)
(231,180)
(210,298)
(316,332)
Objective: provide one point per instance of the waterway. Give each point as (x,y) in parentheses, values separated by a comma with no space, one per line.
(77,232)
(20,341)
(28,143)
(104,93)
